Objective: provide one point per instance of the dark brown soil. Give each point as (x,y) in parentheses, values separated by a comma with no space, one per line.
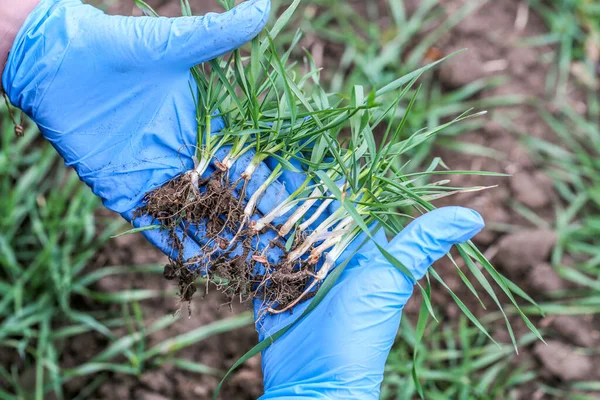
(491,36)
(168,382)
(230,254)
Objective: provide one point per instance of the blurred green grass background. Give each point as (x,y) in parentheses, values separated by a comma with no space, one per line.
(52,231)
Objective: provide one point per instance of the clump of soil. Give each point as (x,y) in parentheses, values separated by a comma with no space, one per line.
(230,256)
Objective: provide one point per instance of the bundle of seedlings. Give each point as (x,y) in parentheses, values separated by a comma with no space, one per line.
(352,152)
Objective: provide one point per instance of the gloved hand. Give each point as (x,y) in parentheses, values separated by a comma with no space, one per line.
(339,350)
(112,94)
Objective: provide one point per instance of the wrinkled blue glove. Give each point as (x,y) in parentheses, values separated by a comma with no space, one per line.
(339,350)
(112,95)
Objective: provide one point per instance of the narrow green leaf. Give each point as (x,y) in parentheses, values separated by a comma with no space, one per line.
(136,230)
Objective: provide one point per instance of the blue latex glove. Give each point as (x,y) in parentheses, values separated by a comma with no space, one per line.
(112,95)
(339,350)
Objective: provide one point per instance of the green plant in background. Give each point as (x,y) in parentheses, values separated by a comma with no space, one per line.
(458,362)
(270,106)
(574,26)
(50,233)
(454,363)
(573,163)
(373,54)
(571,158)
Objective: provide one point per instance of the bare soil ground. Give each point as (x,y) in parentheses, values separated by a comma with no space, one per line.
(492,36)
(218,352)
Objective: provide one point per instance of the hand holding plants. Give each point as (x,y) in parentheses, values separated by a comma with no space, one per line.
(339,350)
(246,172)
(112,94)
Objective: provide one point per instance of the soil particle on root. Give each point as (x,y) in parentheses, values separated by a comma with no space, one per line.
(230,254)
(562,361)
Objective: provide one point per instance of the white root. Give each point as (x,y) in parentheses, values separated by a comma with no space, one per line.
(195,179)
(252,203)
(334,239)
(317,236)
(280,210)
(228,161)
(288,205)
(247,174)
(285,229)
(303,248)
(300,211)
(316,214)
(196,173)
(315,255)
(201,167)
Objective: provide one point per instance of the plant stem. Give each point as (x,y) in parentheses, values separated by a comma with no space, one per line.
(282,208)
(335,237)
(300,211)
(252,203)
(314,237)
(319,211)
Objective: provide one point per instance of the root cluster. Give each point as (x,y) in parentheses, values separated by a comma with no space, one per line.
(230,256)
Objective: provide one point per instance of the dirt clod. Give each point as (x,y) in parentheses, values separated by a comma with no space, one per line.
(170,272)
(521,250)
(576,330)
(533,190)
(461,70)
(562,361)
(544,279)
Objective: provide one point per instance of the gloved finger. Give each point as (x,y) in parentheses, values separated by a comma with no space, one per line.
(430,237)
(188,41)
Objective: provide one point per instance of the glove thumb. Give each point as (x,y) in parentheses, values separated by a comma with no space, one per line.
(430,237)
(188,41)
